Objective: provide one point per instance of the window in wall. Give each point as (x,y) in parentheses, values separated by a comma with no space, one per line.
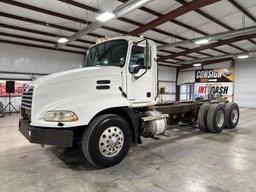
(187,92)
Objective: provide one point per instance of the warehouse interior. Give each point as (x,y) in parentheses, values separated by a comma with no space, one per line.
(205,51)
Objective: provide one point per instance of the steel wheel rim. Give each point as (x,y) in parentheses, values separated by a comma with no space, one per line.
(220,117)
(111,141)
(234,116)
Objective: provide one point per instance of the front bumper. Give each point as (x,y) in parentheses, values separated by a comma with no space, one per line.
(48,136)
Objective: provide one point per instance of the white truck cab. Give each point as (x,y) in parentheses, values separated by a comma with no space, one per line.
(115,74)
(106,104)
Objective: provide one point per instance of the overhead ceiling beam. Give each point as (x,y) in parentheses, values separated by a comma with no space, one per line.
(211,18)
(56,14)
(53,25)
(38,40)
(50,13)
(213,61)
(96,10)
(120,11)
(217,59)
(22,37)
(83,6)
(243,10)
(51,42)
(33,31)
(47,24)
(152,12)
(214,58)
(214,37)
(183,2)
(56,35)
(196,4)
(39,46)
(216,44)
(65,28)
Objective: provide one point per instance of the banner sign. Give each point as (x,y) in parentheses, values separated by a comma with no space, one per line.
(214,88)
(212,83)
(214,75)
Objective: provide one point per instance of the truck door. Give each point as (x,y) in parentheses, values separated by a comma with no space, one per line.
(141,76)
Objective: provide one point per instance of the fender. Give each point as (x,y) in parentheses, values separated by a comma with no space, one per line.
(131,115)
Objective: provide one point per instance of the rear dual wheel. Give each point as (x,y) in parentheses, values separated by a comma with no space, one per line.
(202,115)
(232,115)
(215,117)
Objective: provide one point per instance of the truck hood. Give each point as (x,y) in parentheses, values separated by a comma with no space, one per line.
(76,74)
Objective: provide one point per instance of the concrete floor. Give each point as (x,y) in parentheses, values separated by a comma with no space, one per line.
(189,161)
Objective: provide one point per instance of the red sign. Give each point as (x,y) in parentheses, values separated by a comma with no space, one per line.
(19,85)
(202,89)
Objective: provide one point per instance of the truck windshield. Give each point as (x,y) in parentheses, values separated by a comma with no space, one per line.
(110,53)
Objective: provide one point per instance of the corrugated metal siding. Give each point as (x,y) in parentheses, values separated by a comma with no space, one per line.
(245,83)
(30,60)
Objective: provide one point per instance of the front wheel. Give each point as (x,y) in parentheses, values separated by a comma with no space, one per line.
(106,140)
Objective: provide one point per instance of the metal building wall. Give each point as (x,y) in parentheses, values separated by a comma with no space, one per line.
(19,59)
(245,82)
(33,60)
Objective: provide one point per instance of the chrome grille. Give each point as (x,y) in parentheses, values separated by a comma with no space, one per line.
(27,96)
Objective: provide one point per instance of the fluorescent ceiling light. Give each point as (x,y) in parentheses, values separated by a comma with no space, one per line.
(197,64)
(106,16)
(62,40)
(201,41)
(242,56)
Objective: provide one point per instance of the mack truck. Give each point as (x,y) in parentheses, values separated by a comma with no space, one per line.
(111,102)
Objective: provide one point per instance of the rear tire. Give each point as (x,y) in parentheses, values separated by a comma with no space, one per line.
(232,115)
(216,118)
(106,140)
(202,115)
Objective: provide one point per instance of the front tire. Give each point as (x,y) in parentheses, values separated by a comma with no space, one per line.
(106,140)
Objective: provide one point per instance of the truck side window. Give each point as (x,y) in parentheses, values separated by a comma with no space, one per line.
(137,58)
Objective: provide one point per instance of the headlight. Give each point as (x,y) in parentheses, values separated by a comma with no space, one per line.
(60,116)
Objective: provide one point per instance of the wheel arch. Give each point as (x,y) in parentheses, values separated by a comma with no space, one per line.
(129,115)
